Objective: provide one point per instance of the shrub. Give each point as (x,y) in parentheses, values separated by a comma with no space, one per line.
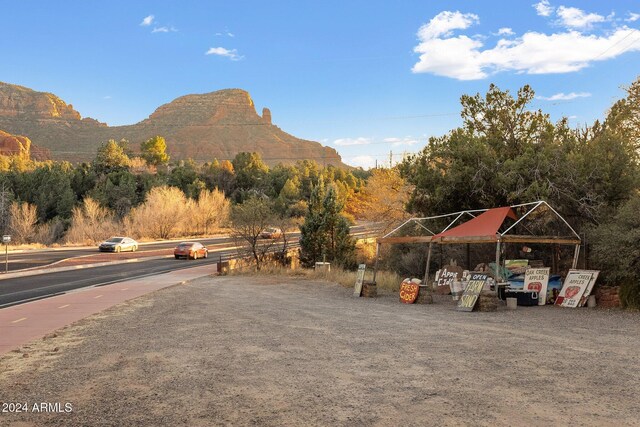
(616,251)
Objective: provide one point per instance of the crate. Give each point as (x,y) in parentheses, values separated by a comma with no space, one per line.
(526,298)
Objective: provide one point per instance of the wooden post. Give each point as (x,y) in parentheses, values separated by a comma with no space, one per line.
(425,280)
(468,257)
(375,265)
(498,275)
(576,254)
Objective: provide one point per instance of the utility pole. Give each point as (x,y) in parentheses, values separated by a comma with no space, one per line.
(390,159)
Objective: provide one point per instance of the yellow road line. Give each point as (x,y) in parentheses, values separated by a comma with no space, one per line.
(64,306)
(19,320)
(96,297)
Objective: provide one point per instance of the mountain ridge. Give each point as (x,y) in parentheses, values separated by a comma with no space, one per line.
(202,127)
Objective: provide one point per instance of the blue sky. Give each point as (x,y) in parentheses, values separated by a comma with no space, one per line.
(365,77)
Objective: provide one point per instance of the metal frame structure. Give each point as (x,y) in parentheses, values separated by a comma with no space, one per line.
(500,238)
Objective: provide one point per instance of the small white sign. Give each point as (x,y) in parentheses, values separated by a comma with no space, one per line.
(357,290)
(6,239)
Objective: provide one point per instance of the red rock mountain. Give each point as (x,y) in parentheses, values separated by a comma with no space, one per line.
(15,145)
(202,127)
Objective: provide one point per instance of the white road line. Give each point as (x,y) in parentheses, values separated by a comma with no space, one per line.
(64,306)
(19,320)
(96,297)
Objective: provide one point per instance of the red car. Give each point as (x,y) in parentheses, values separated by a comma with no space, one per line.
(190,250)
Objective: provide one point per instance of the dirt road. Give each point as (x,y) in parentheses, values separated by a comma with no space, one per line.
(273,351)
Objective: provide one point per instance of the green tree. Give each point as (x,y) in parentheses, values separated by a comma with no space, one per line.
(154,151)
(110,157)
(324,235)
(616,251)
(49,188)
(184,176)
(251,175)
(118,191)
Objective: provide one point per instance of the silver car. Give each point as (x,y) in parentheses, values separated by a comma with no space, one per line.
(118,244)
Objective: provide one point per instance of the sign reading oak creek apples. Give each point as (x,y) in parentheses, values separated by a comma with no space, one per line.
(574,286)
(537,279)
(592,282)
(472,291)
(357,290)
(409,292)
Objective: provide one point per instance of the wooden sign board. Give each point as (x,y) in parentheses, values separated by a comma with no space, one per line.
(575,284)
(446,277)
(357,290)
(409,292)
(590,285)
(537,279)
(472,291)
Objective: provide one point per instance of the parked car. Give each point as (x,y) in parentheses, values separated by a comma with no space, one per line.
(271,233)
(118,244)
(190,250)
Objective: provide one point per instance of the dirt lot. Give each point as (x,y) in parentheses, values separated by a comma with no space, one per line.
(273,351)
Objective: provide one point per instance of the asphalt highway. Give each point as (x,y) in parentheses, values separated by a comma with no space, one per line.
(17,290)
(23,289)
(39,258)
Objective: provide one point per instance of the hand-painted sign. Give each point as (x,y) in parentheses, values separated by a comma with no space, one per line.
(537,279)
(472,291)
(574,287)
(357,290)
(592,282)
(446,276)
(409,291)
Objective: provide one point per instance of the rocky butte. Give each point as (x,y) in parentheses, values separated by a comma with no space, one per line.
(201,127)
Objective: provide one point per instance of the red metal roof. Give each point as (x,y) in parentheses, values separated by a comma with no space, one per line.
(485,225)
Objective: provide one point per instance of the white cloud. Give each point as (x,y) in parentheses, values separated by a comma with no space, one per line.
(462,57)
(565,96)
(573,17)
(352,141)
(506,31)
(633,17)
(407,140)
(106,97)
(365,162)
(164,30)
(445,22)
(543,8)
(228,53)
(147,21)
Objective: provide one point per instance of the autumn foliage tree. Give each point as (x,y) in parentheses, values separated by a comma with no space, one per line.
(161,215)
(24,217)
(248,220)
(154,151)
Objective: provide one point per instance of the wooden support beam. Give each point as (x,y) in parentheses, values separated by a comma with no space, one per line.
(405,239)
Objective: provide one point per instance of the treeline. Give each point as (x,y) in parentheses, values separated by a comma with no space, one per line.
(507,153)
(146,196)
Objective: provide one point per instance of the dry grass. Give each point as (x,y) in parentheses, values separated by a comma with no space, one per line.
(386,281)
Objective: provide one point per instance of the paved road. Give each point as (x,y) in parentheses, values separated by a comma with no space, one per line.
(18,290)
(39,258)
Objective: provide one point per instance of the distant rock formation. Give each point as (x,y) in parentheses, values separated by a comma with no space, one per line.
(202,127)
(266,115)
(14,145)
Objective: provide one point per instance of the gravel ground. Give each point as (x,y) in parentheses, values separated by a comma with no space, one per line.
(283,351)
